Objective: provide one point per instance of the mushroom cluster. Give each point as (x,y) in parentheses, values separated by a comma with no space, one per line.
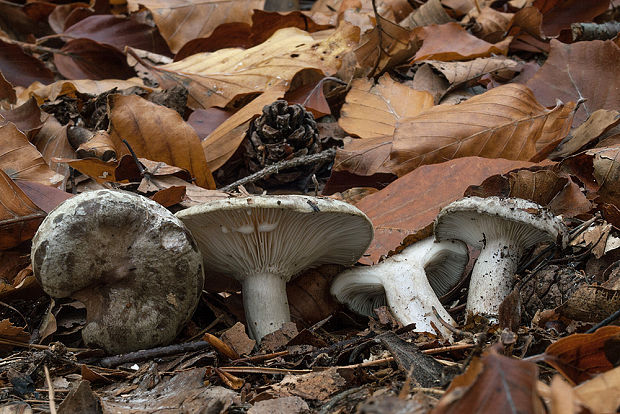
(264,241)
(132,263)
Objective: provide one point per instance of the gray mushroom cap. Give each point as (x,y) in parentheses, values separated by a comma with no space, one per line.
(264,241)
(129,260)
(476,219)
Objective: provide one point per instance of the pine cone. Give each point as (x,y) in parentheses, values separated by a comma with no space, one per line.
(283,132)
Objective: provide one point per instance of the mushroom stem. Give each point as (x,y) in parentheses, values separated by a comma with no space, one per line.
(265,303)
(493,276)
(411,297)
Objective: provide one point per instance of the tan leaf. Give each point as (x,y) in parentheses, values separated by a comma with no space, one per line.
(373,110)
(180,21)
(20,160)
(505,122)
(598,123)
(606,164)
(489,24)
(215,79)
(602,393)
(365,156)
(222,143)
(451,42)
(431,12)
(409,205)
(52,142)
(157,133)
(19,216)
(580,70)
(94,87)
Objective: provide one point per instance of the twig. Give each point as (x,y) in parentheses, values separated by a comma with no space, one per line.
(35,48)
(430,390)
(258,358)
(328,408)
(153,353)
(605,321)
(16,311)
(50,389)
(135,157)
(450,327)
(379,36)
(264,370)
(36,346)
(327,155)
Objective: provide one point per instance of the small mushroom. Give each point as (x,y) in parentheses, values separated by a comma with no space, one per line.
(264,241)
(403,282)
(503,228)
(132,263)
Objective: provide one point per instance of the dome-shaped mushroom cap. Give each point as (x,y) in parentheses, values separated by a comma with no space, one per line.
(475,220)
(133,264)
(277,234)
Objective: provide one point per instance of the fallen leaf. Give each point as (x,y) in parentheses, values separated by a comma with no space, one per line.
(86,86)
(450,41)
(505,122)
(26,117)
(409,205)
(21,69)
(205,121)
(118,32)
(489,24)
(20,160)
(431,12)
(576,71)
(291,405)
(590,303)
(87,59)
(606,163)
(314,386)
(238,340)
(19,216)
(579,357)
(597,124)
(504,385)
(559,14)
(372,110)
(217,78)
(140,123)
(601,394)
(363,157)
(13,333)
(180,21)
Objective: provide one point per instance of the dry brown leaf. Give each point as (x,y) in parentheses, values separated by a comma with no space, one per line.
(19,216)
(559,14)
(580,70)
(602,393)
(180,21)
(597,124)
(12,332)
(591,303)
(563,398)
(140,123)
(606,163)
(409,205)
(51,141)
(364,157)
(450,41)
(489,24)
(372,110)
(431,12)
(579,357)
(505,122)
(94,87)
(504,385)
(20,160)
(222,143)
(381,49)
(215,79)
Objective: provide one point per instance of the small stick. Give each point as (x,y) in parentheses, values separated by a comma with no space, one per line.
(258,358)
(50,389)
(153,353)
(450,327)
(36,346)
(327,155)
(35,48)
(605,321)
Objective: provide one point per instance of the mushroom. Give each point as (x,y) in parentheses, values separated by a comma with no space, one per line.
(132,263)
(503,228)
(264,241)
(408,282)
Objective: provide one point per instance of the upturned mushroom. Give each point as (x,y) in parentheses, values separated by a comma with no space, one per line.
(407,282)
(132,263)
(264,241)
(502,228)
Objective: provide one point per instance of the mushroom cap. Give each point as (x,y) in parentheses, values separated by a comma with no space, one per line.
(362,289)
(475,220)
(133,264)
(281,235)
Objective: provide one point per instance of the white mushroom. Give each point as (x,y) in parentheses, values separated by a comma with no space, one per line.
(264,241)
(503,228)
(132,263)
(402,282)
